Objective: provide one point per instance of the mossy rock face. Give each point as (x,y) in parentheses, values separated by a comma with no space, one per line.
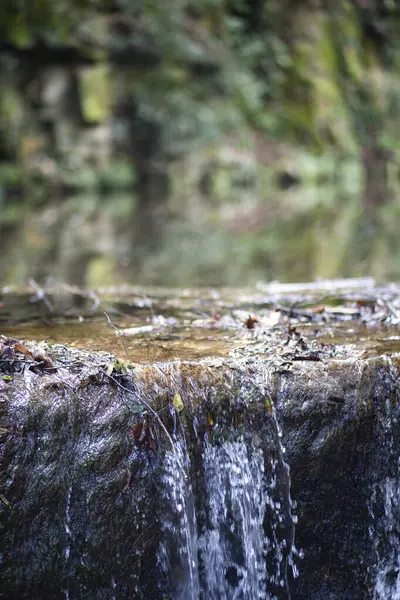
(339,453)
(75,484)
(89,443)
(95,92)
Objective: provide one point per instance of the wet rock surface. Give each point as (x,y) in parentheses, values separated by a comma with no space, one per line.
(264,465)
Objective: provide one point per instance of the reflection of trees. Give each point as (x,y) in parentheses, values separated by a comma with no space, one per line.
(175,77)
(364,51)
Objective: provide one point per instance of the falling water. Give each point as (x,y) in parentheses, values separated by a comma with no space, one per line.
(284,551)
(178,551)
(67,524)
(68,533)
(387,584)
(245,546)
(233,544)
(385,529)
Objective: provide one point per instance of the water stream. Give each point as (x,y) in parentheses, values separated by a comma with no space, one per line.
(88,512)
(385,503)
(239,543)
(178,550)
(387,583)
(233,544)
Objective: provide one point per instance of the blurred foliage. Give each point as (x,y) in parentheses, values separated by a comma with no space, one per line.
(106,95)
(278,63)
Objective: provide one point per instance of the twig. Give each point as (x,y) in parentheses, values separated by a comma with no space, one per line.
(90,294)
(312,357)
(144,402)
(5,501)
(119,333)
(147,405)
(40,295)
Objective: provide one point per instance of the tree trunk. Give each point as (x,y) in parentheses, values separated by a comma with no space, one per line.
(376,192)
(149,216)
(151,211)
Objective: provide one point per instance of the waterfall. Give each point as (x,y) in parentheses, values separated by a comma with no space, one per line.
(178,550)
(387,583)
(246,528)
(385,502)
(233,544)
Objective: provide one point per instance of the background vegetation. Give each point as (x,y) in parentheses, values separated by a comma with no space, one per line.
(199,142)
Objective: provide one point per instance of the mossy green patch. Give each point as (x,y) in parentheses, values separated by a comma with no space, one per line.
(95,93)
(100,269)
(120,174)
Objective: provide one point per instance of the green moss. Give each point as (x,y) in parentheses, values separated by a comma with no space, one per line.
(101,271)
(334,239)
(19,33)
(222,183)
(120,174)
(119,207)
(95,93)
(11,107)
(85,178)
(327,54)
(12,212)
(10,174)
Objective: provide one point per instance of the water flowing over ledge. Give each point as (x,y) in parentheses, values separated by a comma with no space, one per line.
(264,474)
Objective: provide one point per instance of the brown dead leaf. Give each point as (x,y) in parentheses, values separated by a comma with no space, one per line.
(250,322)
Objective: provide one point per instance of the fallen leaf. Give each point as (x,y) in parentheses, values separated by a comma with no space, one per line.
(317,310)
(18,347)
(178,402)
(250,322)
(110,368)
(137,432)
(268,405)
